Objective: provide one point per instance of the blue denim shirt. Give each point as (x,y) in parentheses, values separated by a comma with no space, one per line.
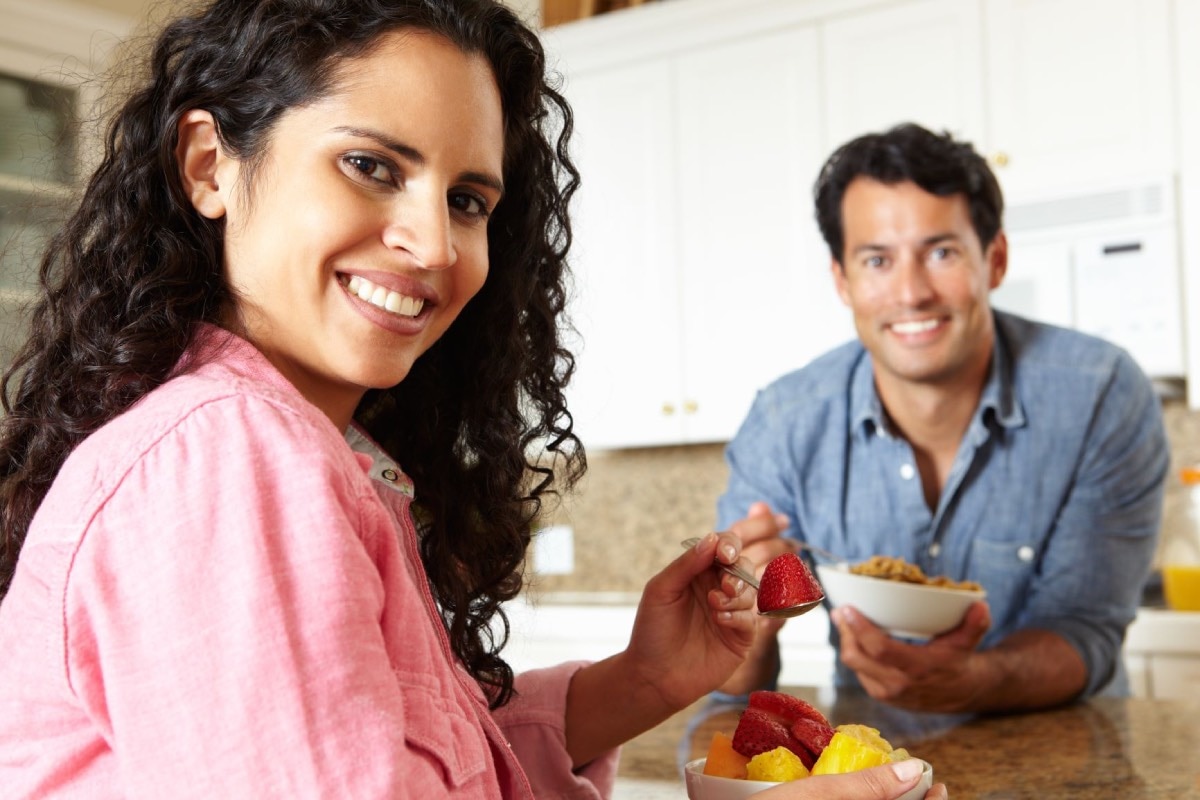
(1053,502)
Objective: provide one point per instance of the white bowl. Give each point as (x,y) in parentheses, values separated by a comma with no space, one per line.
(910,610)
(710,787)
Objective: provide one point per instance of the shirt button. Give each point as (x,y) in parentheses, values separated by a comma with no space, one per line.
(1025,553)
(935,550)
(390,475)
(907,472)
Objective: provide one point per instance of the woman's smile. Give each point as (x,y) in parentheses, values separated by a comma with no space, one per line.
(393,302)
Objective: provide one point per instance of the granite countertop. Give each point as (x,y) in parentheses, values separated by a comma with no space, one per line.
(1128,748)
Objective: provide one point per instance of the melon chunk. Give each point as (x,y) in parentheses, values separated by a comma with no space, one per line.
(723,761)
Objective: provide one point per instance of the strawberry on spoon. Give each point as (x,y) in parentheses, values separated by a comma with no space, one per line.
(787,589)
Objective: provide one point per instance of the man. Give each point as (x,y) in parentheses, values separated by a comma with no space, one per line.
(971,442)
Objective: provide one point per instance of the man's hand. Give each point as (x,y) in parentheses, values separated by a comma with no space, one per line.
(940,675)
(761,532)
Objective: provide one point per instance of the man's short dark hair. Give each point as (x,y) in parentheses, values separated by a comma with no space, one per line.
(934,161)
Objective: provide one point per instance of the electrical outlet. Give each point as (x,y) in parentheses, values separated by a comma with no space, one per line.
(554,550)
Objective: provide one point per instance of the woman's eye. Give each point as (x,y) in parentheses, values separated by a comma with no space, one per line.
(470,204)
(371,167)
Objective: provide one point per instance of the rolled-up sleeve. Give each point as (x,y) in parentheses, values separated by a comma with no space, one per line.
(534,724)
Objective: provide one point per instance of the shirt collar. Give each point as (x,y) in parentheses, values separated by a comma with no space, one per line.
(998,401)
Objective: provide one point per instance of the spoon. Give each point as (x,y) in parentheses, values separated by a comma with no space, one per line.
(822,552)
(738,572)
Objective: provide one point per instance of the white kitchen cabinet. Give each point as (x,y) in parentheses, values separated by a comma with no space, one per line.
(626,301)
(916,61)
(756,296)
(1053,92)
(701,275)
(1078,90)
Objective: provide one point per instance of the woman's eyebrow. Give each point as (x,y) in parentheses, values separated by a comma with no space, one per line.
(416,156)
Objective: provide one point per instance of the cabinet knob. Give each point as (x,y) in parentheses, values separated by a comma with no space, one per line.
(668,409)
(999,159)
(691,407)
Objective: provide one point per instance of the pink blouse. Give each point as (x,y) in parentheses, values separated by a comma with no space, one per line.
(220,598)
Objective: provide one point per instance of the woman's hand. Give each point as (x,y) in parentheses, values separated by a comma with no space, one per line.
(694,626)
(886,782)
(695,623)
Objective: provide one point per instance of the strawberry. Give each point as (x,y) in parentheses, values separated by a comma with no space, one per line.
(759,732)
(787,582)
(813,735)
(786,708)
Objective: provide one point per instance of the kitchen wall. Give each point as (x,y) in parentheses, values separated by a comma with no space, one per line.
(633,508)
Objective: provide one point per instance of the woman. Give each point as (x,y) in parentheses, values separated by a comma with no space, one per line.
(326,239)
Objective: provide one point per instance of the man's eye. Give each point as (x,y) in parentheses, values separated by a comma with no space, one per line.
(941,253)
(370,167)
(873,261)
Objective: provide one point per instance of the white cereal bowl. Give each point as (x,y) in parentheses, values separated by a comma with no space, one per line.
(909,610)
(710,787)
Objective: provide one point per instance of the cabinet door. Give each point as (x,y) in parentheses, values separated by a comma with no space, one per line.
(626,304)
(916,61)
(757,297)
(1079,90)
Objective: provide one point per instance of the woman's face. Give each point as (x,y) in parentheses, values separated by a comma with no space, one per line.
(365,231)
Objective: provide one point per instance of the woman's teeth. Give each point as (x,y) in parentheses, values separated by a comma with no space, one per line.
(383,298)
(918,326)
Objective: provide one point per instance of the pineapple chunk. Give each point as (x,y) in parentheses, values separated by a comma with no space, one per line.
(777,765)
(853,747)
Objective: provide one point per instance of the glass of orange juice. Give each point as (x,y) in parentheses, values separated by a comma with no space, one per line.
(1181,586)
(1180,553)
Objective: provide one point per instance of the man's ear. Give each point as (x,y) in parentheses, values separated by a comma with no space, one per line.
(839,280)
(203,166)
(997,258)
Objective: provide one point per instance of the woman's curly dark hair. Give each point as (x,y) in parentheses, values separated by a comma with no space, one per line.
(480,423)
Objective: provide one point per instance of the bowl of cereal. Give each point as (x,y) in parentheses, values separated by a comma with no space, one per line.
(898,596)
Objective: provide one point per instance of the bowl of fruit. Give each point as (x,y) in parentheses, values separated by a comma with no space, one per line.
(782,738)
(898,597)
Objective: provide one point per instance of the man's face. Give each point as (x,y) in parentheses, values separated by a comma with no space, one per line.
(917,279)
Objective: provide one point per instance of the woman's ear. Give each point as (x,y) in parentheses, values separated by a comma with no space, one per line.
(206,171)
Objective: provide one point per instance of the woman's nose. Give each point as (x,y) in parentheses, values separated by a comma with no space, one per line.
(422,228)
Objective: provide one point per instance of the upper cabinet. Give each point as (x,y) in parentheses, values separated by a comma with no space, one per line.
(755,295)
(917,62)
(1078,91)
(700,275)
(625,304)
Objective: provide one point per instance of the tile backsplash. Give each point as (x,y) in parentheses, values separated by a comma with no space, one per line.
(633,507)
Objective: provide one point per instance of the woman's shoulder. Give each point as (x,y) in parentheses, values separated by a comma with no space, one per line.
(214,416)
